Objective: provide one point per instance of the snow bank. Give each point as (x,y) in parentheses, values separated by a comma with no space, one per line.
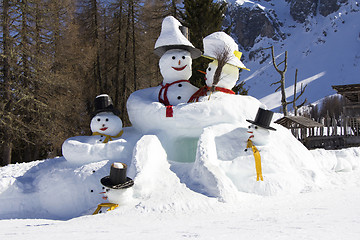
(223,171)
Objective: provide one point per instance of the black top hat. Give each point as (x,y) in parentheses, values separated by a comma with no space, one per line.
(117,178)
(263,119)
(103,103)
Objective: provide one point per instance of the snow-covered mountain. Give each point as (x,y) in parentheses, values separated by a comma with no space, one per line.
(322,39)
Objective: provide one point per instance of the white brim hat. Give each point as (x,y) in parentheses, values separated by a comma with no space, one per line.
(217,42)
(171,37)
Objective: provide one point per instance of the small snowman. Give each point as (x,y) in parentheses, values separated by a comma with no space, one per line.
(259,135)
(176,54)
(105,125)
(118,189)
(223,72)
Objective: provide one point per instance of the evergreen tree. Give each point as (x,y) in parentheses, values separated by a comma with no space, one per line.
(202,17)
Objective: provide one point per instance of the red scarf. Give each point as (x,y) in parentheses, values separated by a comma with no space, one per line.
(203,92)
(165,100)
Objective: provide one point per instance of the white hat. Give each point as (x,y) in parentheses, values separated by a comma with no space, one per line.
(171,37)
(217,42)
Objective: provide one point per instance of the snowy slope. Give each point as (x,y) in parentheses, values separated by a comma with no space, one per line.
(326,50)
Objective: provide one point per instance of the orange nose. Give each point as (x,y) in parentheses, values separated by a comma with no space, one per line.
(179,62)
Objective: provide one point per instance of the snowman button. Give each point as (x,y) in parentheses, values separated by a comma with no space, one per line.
(180,85)
(179,97)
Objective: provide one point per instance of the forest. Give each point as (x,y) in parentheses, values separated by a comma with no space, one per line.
(56,56)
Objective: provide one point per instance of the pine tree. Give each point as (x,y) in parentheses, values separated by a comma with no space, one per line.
(202,17)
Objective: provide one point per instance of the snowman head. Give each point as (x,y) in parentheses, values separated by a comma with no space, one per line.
(118,196)
(106,123)
(117,185)
(175,64)
(228,77)
(258,135)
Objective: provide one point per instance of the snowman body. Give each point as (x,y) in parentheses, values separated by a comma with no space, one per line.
(105,124)
(175,67)
(99,146)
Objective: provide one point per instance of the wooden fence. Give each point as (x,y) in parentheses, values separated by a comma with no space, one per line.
(333,135)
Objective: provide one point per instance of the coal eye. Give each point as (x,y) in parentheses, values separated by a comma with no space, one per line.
(103,188)
(98,119)
(256,127)
(107,119)
(108,189)
(209,69)
(249,127)
(183,57)
(173,57)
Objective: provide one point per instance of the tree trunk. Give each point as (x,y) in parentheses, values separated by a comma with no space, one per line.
(126,63)
(7,149)
(118,58)
(134,45)
(7,146)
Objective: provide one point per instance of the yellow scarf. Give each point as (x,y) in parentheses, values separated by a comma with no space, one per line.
(111,206)
(257,160)
(108,137)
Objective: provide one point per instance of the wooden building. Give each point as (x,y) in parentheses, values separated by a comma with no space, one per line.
(351,108)
(331,134)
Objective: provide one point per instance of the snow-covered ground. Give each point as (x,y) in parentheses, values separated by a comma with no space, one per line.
(54,198)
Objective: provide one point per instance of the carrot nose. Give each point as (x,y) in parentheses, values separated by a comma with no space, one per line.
(202,71)
(179,62)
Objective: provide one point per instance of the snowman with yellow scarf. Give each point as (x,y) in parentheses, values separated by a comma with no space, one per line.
(105,143)
(259,136)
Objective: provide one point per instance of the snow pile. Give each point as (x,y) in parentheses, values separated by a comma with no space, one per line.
(218,170)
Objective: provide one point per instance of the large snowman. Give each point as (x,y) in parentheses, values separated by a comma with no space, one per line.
(179,126)
(176,53)
(105,143)
(223,72)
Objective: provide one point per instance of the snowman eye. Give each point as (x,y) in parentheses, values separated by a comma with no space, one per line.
(183,57)
(98,119)
(108,189)
(107,120)
(249,127)
(173,57)
(256,127)
(209,69)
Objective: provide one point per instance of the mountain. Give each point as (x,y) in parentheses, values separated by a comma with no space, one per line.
(322,39)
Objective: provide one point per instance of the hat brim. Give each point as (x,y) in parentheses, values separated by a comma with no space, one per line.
(235,65)
(260,125)
(195,53)
(114,111)
(107,183)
